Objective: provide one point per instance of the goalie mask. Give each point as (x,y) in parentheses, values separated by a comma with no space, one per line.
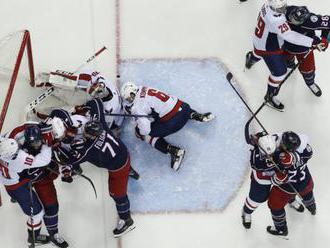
(128,91)
(8,148)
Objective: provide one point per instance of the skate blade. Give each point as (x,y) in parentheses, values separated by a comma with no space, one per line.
(177,164)
(271,106)
(126,231)
(208,118)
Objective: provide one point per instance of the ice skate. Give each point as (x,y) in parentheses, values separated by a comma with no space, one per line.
(177,155)
(40,239)
(246,220)
(312,208)
(206,117)
(272,230)
(58,241)
(297,206)
(133,174)
(123,227)
(274,103)
(316,90)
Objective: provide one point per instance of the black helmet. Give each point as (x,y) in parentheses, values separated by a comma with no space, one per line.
(298,15)
(290,141)
(33,137)
(92,129)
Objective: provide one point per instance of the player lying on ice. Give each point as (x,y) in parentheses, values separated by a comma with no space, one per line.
(163,116)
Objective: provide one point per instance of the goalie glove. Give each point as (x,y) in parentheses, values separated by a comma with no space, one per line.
(279,178)
(96,89)
(66,173)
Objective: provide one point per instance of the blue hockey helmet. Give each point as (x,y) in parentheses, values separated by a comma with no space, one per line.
(290,141)
(33,136)
(298,15)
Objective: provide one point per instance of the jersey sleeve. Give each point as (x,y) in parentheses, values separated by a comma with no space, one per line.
(143,123)
(279,25)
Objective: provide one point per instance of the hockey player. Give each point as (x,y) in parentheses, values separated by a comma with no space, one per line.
(42,180)
(68,128)
(263,168)
(160,116)
(95,85)
(102,149)
(272,29)
(292,176)
(304,22)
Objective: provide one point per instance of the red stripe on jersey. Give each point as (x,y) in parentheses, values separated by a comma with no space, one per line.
(16,131)
(17,185)
(263,53)
(71,77)
(170,114)
(85,77)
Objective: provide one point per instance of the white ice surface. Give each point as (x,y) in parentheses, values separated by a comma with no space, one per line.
(64,33)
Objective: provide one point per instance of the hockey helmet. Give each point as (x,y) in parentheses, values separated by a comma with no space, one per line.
(33,137)
(267,144)
(8,148)
(58,128)
(92,129)
(298,15)
(128,91)
(290,141)
(278,6)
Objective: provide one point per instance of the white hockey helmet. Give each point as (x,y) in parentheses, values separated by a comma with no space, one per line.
(8,148)
(267,144)
(58,128)
(278,6)
(128,91)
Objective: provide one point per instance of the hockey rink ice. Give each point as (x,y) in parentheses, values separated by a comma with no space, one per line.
(184,47)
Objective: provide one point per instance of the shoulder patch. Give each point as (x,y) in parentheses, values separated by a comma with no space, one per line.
(314,18)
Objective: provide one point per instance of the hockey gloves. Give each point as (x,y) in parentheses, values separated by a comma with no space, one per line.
(279,178)
(320,44)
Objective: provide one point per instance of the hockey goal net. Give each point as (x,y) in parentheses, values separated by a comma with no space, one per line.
(15,61)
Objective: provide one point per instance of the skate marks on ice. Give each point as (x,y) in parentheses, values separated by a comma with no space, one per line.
(216,155)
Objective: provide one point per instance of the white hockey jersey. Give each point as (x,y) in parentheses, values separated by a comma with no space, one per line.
(10,168)
(271,31)
(152,101)
(88,77)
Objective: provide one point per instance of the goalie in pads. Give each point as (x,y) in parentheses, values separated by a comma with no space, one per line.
(95,85)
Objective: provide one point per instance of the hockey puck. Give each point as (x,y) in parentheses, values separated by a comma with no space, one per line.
(118,76)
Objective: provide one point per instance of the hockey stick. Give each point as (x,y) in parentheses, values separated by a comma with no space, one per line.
(31,217)
(50,91)
(78,174)
(230,79)
(128,115)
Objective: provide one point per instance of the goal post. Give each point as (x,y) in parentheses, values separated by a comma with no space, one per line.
(13,47)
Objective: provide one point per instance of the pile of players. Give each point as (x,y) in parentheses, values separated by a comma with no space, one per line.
(279,162)
(34,154)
